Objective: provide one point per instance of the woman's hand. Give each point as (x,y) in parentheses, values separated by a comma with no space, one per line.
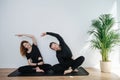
(28,35)
(41,63)
(39,58)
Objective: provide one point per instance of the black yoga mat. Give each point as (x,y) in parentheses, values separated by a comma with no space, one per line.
(81,72)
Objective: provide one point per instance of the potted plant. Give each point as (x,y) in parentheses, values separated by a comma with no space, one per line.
(105,38)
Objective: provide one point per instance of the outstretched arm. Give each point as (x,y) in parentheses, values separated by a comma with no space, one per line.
(28,35)
(55,35)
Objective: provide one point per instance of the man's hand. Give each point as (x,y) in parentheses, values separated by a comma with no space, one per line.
(43,34)
(19,35)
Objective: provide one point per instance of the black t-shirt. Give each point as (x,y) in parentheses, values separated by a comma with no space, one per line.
(34,54)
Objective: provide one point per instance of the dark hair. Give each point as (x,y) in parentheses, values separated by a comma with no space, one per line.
(51,44)
(23,50)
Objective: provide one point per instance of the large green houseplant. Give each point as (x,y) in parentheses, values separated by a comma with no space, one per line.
(105,37)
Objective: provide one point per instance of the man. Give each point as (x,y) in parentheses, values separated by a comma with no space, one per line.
(64,55)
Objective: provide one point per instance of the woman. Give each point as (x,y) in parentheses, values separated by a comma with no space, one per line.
(33,56)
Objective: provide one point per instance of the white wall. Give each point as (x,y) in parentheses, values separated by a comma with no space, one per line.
(118,4)
(70,18)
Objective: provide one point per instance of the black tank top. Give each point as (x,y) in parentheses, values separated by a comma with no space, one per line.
(34,54)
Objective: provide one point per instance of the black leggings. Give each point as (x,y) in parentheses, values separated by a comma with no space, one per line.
(58,68)
(31,69)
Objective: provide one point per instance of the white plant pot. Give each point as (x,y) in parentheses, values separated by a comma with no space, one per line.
(105,66)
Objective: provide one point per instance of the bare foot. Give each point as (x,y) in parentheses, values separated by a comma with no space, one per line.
(75,70)
(39,70)
(68,71)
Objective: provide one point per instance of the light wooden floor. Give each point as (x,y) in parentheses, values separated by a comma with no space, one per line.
(95,74)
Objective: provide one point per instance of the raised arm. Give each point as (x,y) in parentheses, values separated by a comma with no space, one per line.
(28,35)
(60,39)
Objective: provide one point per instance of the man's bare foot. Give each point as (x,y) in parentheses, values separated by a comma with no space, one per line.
(68,71)
(75,70)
